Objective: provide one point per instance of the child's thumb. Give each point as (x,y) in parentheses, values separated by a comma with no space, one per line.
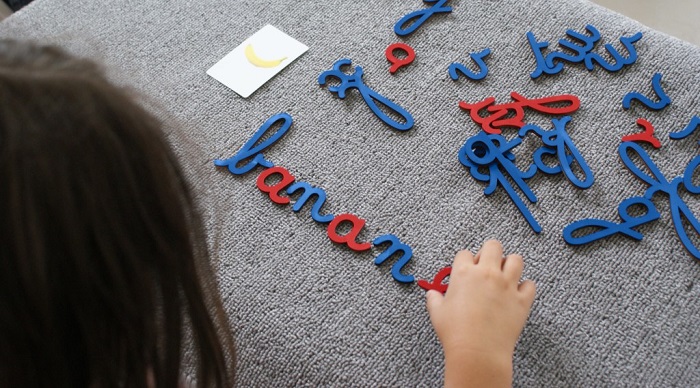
(433,300)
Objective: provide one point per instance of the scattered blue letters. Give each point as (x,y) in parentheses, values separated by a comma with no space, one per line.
(620,61)
(664,99)
(609,228)
(412,21)
(457,68)
(558,142)
(553,62)
(495,153)
(354,80)
(692,126)
(657,184)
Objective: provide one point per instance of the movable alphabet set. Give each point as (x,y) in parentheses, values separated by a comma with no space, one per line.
(494,152)
(354,80)
(553,63)
(657,184)
(288,185)
(512,114)
(489,155)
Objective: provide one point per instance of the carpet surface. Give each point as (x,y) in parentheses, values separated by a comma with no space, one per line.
(308,312)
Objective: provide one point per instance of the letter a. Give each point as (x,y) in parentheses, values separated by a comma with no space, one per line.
(351,238)
(274,190)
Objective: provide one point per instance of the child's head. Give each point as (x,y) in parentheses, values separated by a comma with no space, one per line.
(103,264)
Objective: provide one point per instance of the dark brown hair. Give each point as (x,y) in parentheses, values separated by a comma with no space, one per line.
(104,271)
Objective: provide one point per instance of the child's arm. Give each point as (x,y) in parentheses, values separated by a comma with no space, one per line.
(481,316)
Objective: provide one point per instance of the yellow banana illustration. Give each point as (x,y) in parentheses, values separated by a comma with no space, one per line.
(259,62)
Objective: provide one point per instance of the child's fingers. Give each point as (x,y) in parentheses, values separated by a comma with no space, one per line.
(433,300)
(463,259)
(528,290)
(462,264)
(491,254)
(513,267)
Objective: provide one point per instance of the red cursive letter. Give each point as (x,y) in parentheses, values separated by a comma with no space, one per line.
(274,190)
(351,238)
(437,281)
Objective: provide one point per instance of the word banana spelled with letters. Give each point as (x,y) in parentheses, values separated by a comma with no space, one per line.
(253,152)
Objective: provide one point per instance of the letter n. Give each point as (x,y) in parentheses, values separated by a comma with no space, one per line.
(395,247)
(310,191)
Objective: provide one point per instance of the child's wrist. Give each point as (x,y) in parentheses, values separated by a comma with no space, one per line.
(461,356)
(468,351)
(465,367)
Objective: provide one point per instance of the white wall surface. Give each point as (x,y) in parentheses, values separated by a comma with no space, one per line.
(677,17)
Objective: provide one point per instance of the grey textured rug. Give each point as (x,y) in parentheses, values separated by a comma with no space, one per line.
(308,312)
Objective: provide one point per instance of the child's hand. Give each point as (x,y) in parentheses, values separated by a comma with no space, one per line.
(480,318)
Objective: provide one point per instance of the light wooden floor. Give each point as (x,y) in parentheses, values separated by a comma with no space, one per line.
(676,17)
